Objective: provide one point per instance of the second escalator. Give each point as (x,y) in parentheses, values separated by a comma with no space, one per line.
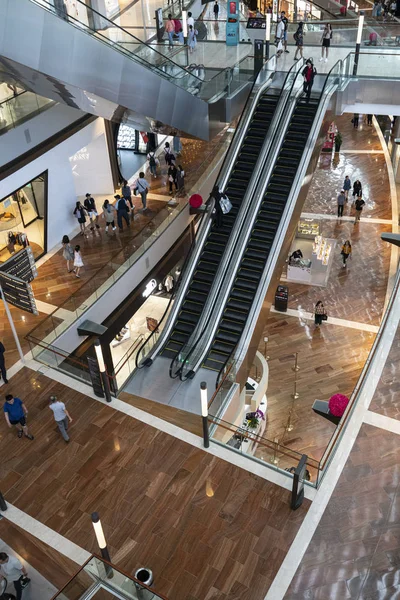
(216,242)
(252,264)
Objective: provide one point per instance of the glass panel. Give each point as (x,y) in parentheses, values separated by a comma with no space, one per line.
(20,108)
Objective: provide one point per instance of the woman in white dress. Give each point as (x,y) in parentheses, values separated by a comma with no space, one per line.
(78,262)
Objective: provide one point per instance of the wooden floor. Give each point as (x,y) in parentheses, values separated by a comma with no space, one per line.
(206,528)
(53,566)
(355,551)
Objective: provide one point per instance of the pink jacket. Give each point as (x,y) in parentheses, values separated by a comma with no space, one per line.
(169,26)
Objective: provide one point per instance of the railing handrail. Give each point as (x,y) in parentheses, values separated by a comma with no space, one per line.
(10,98)
(106,562)
(127,354)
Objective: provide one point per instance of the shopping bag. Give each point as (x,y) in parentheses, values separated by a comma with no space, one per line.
(225,204)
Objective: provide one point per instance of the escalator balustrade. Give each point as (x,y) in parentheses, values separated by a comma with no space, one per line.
(217,240)
(262,236)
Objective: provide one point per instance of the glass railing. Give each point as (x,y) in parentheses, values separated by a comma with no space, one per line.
(21,108)
(98,578)
(344,33)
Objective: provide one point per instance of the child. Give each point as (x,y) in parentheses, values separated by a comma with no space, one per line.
(68,251)
(180,36)
(78,262)
(192,38)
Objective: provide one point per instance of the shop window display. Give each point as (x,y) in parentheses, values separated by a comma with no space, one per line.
(22,219)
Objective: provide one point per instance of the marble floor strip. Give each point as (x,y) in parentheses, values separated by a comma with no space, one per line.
(300,314)
(382,421)
(333,217)
(293,558)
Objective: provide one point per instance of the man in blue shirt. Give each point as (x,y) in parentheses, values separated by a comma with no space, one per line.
(15,413)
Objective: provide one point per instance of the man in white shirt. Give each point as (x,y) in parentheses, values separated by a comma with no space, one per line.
(280,29)
(12,569)
(190,20)
(61,416)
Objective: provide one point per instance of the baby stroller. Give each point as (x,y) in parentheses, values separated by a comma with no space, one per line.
(3,594)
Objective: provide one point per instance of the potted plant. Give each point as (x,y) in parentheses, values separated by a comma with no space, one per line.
(338,141)
(253,422)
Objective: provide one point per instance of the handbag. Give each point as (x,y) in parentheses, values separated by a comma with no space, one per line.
(225,204)
(324,317)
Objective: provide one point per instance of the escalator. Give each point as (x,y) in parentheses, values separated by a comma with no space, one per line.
(217,239)
(260,241)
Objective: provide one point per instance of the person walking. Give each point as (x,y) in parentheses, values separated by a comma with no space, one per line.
(219,215)
(172,176)
(346,186)
(346,252)
(181,38)
(216,10)
(369,120)
(109,215)
(308,73)
(285,30)
(357,188)
(170,29)
(359,205)
(192,40)
(180,178)
(61,416)
(90,206)
(279,37)
(122,211)
(319,313)
(341,199)
(151,157)
(190,20)
(3,363)
(78,262)
(80,214)
(143,187)
(356,118)
(15,412)
(127,192)
(68,251)
(168,155)
(326,42)
(13,570)
(299,39)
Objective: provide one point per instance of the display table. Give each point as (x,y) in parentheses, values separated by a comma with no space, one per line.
(300,271)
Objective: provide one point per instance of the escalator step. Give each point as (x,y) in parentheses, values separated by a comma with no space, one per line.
(188,317)
(211,365)
(178,337)
(203,276)
(198,286)
(239,306)
(183,327)
(255,255)
(233,315)
(241,295)
(174,346)
(223,347)
(250,275)
(192,307)
(244,284)
(168,353)
(210,257)
(250,263)
(207,267)
(218,358)
(196,297)
(226,336)
(267,226)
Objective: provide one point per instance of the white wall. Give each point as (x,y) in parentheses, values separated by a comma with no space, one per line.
(92,173)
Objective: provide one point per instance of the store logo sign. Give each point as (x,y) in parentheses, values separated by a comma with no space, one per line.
(149,288)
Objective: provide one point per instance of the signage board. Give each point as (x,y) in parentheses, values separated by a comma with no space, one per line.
(159,24)
(95,376)
(232,23)
(21,264)
(256,23)
(18,292)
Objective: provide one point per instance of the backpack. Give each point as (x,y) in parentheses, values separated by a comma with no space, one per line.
(152,160)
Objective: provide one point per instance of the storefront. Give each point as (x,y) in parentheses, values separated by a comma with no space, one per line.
(140,314)
(311,254)
(23,219)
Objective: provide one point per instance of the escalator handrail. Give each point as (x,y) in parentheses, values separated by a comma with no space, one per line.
(201,235)
(50,8)
(270,264)
(217,285)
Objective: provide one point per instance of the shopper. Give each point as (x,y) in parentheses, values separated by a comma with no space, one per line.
(142,187)
(90,206)
(80,214)
(369,120)
(68,252)
(279,37)
(216,10)
(299,39)
(3,363)
(285,30)
(170,29)
(319,313)
(168,154)
(177,144)
(192,40)
(219,215)
(357,188)
(190,20)
(341,199)
(346,252)
(326,42)
(181,38)
(122,211)
(172,176)
(15,412)
(109,215)
(359,205)
(151,157)
(346,186)
(180,178)
(78,262)
(355,120)
(308,73)
(127,192)
(13,570)
(61,416)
